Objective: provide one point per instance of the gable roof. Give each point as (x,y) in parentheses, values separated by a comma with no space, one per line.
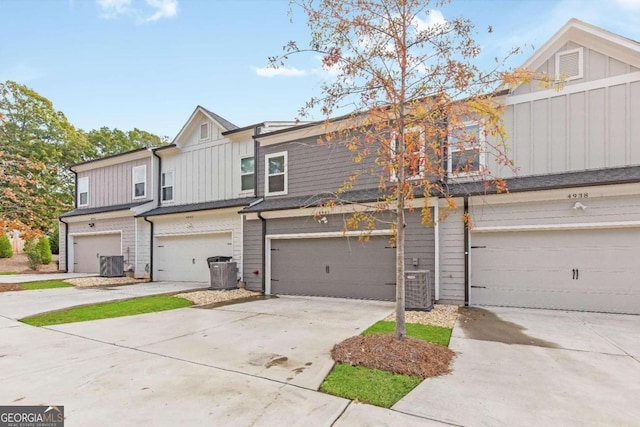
(596,38)
(225,124)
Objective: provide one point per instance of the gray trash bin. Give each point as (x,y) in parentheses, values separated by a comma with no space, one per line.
(223,272)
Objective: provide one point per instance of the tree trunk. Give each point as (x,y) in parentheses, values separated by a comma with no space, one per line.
(401,332)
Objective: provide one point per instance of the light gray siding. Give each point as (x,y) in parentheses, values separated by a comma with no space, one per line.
(113,185)
(143,252)
(600,208)
(124,225)
(314,168)
(62,246)
(452,256)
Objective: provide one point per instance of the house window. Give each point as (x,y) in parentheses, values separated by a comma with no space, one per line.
(83,191)
(414,162)
(276,173)
(569,64)
(167,186)
(247,171)
(204,131)
(466,150)
(140,182)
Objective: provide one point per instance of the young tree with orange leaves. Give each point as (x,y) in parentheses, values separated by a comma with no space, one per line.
(410,79)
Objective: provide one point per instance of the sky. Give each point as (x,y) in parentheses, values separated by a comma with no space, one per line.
(147,64)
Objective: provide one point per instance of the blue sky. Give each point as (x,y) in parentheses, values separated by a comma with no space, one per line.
(148,63)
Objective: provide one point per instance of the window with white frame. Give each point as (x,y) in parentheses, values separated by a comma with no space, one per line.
(83,191)
(139,182)
(569,64)
(276,173)
(204,131)
(247,173)
(166,185)
(414,144)
(466,150)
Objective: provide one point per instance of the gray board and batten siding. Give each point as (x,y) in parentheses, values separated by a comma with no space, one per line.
(419,248)
(113,184)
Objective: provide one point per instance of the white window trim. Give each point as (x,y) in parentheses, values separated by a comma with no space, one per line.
(481,144)
(420,175)
(208,126)
(580,75)
(133,182)
(252,190)
(173,186)
(266,174)
(83,179)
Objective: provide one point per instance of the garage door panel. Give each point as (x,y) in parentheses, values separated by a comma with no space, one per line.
(592,270)
(184,258)
(87,251)
(336,267)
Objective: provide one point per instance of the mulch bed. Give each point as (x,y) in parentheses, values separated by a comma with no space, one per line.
(6,287)
(383,351)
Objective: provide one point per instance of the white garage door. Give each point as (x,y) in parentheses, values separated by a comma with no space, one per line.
(184,258)
(590,270)
(88,249)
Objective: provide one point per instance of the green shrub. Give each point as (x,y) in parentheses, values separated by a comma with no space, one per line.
(44,249)
(54,240)
(34,260)
(5,247)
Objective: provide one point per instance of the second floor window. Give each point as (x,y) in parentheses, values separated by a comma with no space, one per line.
(139,182)
(167,186)
(83,191)
(247,171)
(466,150)
(276,173)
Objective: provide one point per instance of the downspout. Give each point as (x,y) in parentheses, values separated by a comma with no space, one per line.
(255,162)
(66,243)
(75,186)
(159,179)
(466,251)
(150,250)
(264,255)
(436,238)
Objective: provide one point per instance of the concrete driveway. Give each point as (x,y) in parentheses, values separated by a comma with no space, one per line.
(536,367)
(251,364)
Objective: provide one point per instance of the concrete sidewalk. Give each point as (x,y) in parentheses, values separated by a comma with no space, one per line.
(23,278)
(16,305)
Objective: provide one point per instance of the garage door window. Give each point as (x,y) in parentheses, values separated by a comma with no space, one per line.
(139,182)
(276,168)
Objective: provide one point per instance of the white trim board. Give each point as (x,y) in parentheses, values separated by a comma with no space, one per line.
(551,227)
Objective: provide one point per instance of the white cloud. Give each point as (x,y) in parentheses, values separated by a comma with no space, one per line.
(149,11)
(282,71)
(433,18)
(164,9)
(633,5)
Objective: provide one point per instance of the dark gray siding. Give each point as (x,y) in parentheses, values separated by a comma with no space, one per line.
(419,241)
(252,247)
(315,168)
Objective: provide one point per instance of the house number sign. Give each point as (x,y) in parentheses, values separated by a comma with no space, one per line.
(578,196)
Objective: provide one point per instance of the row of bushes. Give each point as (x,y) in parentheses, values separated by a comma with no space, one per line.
(38,251)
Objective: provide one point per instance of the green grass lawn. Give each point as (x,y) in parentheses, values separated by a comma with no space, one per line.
(378,387)
(45,284)
(108,310)
(6,273)
(367,385)
(434,334)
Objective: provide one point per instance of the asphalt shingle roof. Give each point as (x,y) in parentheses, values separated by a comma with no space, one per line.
(224,122)
(193,207)
(101,209)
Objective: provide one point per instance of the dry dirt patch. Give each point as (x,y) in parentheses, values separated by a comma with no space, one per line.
(383,351)
(20,264)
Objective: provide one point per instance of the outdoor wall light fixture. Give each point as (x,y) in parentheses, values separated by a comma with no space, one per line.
(323,220)
(579,205)
(91,224)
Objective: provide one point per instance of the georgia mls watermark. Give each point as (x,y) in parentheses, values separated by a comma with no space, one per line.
(31,416)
